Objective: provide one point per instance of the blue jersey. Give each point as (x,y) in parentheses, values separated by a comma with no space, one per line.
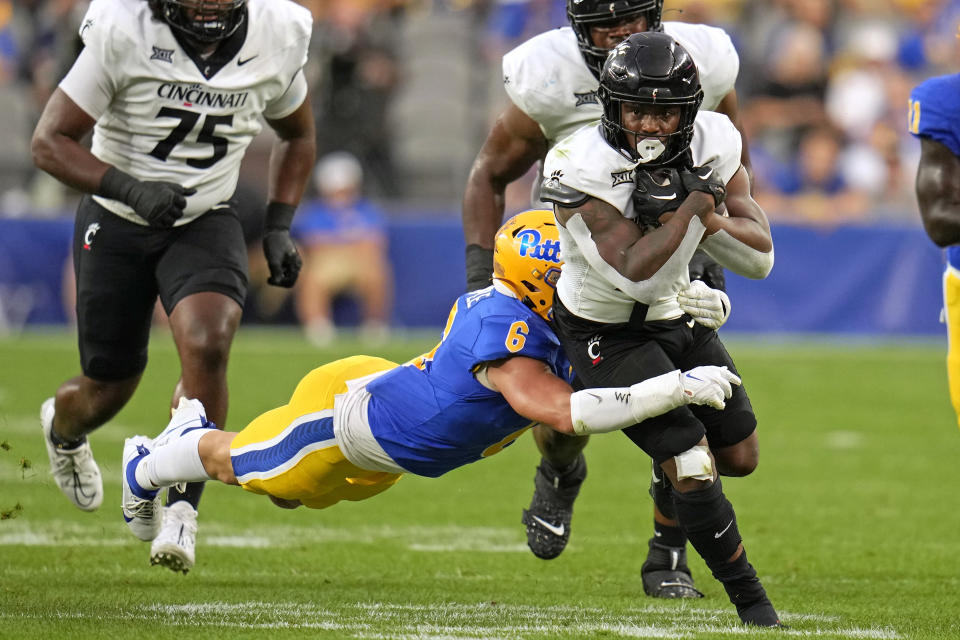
(932,113)
(431,414)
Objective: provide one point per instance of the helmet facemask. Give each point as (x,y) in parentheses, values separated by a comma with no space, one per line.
(526,259)
(650,69)
(584,14)
(204,21)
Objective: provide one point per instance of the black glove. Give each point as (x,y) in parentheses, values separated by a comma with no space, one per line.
(159,203)
(703,267)
(479,267)
(278,247)
(656,193)
(704,179)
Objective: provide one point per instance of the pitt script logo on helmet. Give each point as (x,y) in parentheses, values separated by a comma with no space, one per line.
(526,258)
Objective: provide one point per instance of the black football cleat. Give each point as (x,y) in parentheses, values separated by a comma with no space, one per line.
(665,573)
(551,509)
(760,614)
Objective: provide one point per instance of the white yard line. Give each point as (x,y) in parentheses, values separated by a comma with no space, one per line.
(468,622)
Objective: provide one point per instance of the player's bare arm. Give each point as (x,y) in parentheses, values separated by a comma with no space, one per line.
(533,391)
(293,154)
(513,145)
(635,254)
(745,220)
(56,144)
(938,192)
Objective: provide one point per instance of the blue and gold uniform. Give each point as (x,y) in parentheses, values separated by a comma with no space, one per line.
(354,426)
(291,452)
(429,415)
(932,114)
(433,415)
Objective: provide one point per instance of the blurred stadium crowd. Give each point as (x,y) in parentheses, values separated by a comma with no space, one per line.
(410,88)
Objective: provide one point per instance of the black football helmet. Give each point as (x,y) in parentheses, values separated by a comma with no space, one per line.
(586,13)
(202,21)
(653,69)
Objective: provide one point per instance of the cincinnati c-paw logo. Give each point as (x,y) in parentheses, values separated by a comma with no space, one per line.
(593,350)
(89,234)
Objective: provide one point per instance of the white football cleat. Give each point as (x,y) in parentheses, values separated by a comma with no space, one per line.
(142,509)
(74,470)
(175,546)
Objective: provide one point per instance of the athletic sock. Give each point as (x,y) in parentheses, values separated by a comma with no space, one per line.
(175,462)
(710,523)
(668,535)
(64,444)
(191,493)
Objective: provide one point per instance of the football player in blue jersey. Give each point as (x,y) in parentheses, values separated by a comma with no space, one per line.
(932,117)
(174,91)
(354,426)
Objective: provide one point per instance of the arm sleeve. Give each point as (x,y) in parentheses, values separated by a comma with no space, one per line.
(738,257)
(610,409)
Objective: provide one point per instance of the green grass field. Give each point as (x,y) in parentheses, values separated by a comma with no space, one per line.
(851,519)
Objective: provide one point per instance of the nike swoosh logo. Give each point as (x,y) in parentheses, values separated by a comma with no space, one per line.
(691,323)
(552,528)
(717,535)
(241,61)
(592,395)
(672,196)
(707,174)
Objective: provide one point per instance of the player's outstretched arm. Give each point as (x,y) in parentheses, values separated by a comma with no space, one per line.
(741,239)
(535,393)
(513,145)
(938,192)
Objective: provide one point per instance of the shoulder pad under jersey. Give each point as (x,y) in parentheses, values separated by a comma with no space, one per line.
(552,190)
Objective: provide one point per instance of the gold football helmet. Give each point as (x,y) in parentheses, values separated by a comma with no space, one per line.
(526,258)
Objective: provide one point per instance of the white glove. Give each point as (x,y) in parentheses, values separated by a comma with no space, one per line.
(708,385)
(709,307)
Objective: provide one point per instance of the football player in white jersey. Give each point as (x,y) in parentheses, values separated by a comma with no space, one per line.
(635,195)
(173,91)
(551,81)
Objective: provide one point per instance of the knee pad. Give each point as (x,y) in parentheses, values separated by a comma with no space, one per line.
(708,519)
(695,463)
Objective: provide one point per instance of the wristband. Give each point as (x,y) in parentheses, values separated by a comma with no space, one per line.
(479,266)
(279,216)
(116,185)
